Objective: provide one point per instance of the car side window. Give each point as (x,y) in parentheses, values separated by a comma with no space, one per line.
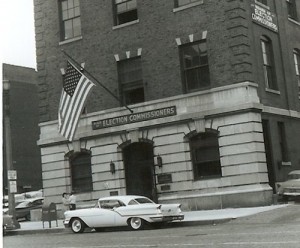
(132,202)
(110,204)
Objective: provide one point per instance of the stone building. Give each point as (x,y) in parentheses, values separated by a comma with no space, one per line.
(24,119)
(214,89)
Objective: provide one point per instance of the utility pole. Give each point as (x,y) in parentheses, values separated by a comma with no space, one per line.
(11,174)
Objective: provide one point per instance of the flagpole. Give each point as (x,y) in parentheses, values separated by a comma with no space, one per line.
(94,79)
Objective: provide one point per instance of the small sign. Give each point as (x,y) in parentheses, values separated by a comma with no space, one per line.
(135,117)
(164,178)
(13,186)
(12,175)
(113,193)
(264,17)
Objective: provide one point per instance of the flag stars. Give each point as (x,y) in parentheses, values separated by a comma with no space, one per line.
(71,79)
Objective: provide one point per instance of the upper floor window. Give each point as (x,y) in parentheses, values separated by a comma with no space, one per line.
(179,3)
(265,2)
(297,66)
(292,9)
(205,155)
(125,11)
(268,63)
(81,172)
(70,19)
(131,80)
(195,69)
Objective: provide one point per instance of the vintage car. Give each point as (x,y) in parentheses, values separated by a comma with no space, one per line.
(117,211)
(23,208)
(290,189)
(7,223)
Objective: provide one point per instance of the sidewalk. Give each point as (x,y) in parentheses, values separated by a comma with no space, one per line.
(191,218)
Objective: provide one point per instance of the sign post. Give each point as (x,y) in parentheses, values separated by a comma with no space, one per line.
(11,174)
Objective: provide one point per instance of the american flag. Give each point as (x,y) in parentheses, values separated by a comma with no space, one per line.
(76,87)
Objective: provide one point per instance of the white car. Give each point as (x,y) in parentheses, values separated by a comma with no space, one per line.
(116,211)
(291,187)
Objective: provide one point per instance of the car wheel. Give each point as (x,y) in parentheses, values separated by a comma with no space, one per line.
(136,223)
(77,225)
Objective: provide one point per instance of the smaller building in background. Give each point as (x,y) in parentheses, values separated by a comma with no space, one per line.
(23,110)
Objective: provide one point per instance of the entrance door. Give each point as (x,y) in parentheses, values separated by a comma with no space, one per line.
(139,169)
(268,148)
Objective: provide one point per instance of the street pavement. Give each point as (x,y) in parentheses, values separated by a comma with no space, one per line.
(191,218)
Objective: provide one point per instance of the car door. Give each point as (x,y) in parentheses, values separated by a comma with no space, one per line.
(102,215)
(98,217)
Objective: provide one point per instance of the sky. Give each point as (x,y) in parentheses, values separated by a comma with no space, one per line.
(17,42)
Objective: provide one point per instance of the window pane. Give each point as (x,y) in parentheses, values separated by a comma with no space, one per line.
(121,8)
(70,26)
(76,3)
(292,9)
(203,76)
(127,16)
(205,155)
(65,15)
(131,80)
(132,5)
(71,13)
(192,79)
(64,5)
(268,64)
(81,172)
(77,11)
(70,4)
(203,53)
(191,56)
(76,27)
(68,29)
(134,96)
(297,62)
(208,170)
(183,2)
(195,66)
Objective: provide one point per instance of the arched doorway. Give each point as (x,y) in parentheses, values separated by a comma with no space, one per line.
(139,169)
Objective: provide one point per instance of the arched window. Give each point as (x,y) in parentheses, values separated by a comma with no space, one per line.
(81,172)
(268,63)
(297,67)
(205,155)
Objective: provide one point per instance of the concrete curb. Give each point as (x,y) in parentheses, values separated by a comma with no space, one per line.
(66,230)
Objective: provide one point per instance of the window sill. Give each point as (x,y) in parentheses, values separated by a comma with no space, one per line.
(191,5)
(125,24)
(294,21)
(277,92)
(70,40)
(207,178)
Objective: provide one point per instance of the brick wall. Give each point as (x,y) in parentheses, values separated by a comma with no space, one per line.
(158,27)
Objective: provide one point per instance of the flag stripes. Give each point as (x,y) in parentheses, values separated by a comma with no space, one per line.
(71,105)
